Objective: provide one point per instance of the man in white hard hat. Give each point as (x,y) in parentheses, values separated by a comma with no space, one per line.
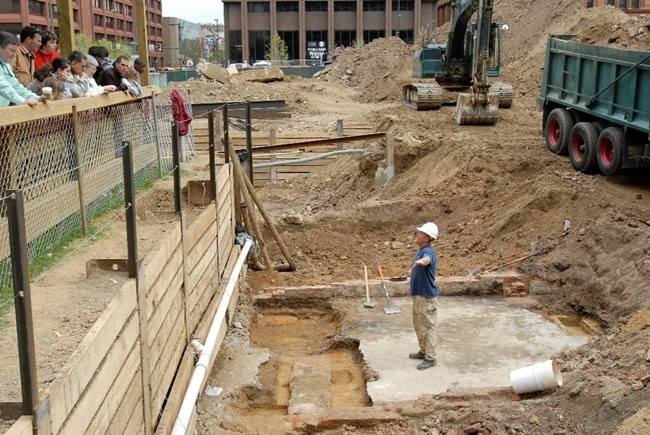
(425,295)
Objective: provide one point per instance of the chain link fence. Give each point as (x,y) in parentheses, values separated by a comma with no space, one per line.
(69,168)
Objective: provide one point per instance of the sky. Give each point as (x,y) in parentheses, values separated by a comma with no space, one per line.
(196,11)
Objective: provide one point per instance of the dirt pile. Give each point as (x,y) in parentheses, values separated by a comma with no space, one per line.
(377,70)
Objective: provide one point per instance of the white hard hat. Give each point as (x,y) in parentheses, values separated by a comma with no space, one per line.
(430,229)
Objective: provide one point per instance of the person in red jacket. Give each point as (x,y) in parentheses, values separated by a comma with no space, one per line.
(47,52)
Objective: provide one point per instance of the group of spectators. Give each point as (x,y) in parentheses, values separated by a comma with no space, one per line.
(32,70)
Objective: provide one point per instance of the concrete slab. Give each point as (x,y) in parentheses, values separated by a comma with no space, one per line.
(310,391)
(480,341)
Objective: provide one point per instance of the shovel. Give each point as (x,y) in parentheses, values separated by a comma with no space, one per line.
(367,303)
(389,309)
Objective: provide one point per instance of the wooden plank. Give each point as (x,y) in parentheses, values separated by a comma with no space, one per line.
(169,301)
(19,114)
(131,402)
(224,213)
(201,298)
(22,426)
(225,203)
(156,261)
(222,177)
(209,271)
(120,355)
(201,246)
(200,224)
(166,281)
(158,337)
(175,398)
(135,424)
(129,376)
(173,335)
(164,374)
(202,266)
(76,374)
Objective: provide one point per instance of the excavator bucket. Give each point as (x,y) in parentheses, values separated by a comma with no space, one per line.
(470,110)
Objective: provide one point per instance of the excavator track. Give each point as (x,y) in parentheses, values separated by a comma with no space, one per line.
(422,96)
(506,94)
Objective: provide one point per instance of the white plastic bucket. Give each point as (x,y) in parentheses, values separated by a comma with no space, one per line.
(540,376)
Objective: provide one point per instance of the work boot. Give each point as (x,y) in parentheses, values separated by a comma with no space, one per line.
(426,364)
(416,355)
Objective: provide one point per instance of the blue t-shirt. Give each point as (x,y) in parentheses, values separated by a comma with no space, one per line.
(423,278)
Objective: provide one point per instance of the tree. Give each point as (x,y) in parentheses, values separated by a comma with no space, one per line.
(84,42)
(191,48)
(276,49)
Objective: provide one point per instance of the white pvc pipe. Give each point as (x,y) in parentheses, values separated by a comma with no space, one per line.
(201,367)
(308,159)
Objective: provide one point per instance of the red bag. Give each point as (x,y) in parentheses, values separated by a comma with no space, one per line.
(180,114)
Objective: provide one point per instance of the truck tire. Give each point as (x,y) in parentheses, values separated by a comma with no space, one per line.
(582,147)
(609,150)
(557,129)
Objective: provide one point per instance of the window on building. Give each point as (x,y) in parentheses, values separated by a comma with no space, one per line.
(10,7)
(96,3)
(316,35)
(259,7)
(346,38)
(128,10)
(36,7)
(635,4)
(235,52)
(403,5)
(98,20)
(99,36)
(590,3)
(108,5)
(287,6)
(55,12)
(118,7)
(109,22)
(316,6)
(405,35)
(75,15)
(290,37)
(610,2)
(129,26)
(623,4)
(371,35)
(257,41)
(374,6)
(120,24)
(345,6)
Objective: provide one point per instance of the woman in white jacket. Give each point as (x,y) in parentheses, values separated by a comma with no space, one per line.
(93,87)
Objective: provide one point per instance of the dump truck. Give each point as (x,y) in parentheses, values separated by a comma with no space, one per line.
(596,104)
(463,68)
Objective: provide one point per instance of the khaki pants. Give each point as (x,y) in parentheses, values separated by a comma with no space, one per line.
(425,317)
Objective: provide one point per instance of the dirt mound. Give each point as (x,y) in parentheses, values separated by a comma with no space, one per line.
(376,70)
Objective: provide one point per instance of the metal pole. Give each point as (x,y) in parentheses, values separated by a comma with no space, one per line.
(226,139)
(23,302)
(249,140)
(80,173)
(129,204)
(176,156)
(339,132)
(155,132)
(213,162)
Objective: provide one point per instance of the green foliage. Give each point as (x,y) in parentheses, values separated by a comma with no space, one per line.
(276,49)
(191,49)
(84,42)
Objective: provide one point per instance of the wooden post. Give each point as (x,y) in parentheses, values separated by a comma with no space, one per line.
(142,38)
(145,360)
(66,26)
(390,157)
(274,169)
(218,125)
(80,172)
(339,132)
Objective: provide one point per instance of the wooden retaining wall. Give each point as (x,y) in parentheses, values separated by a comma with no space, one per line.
(263,176)
(128,375)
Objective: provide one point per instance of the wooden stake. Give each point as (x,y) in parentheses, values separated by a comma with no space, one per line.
(254,227)
(265,215)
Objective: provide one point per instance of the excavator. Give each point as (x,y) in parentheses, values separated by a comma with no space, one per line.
(461,68)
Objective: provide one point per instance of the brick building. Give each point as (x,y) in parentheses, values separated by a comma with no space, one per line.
(312,27)
(110,19)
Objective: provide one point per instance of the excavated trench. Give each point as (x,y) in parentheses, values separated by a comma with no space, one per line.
(308,360)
